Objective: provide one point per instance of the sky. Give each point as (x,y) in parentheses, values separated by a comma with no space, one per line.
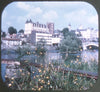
(60,13)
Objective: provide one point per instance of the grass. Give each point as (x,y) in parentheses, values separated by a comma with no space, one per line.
(51,77)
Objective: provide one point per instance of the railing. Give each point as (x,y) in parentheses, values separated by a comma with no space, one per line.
(76,72)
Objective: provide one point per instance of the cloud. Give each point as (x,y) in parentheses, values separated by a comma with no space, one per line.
(23,6)
(5,28)
(50,16)
(30,10)
(75,15)
(61,3)
(28,7)
(4,15)
(93,19)
(81,17)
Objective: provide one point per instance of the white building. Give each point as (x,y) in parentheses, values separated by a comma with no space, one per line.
(88,34)
(46,36)
(11,42)
(56,38)
(30,26)
(36,31)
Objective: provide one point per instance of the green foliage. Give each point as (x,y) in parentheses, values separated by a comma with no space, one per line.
(78,64)
(65,31)
(70,42)
(3,34)
(21,31)
(49,78)
(12,30)
(41,48)
(22,51)
(23,43)
(42,42)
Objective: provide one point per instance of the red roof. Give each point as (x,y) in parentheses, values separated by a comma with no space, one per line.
(11,39)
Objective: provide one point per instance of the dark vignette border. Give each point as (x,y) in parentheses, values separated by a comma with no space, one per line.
(95,3)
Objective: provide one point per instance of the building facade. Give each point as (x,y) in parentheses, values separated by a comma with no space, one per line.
(37,31)
(11,42)
(88,34)
(31,26)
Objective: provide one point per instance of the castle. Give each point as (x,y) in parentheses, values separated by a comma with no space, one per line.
(45,28)
(36,31)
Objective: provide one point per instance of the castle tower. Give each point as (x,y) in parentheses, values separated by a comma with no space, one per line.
(69,27)
(51,27)
(28,27)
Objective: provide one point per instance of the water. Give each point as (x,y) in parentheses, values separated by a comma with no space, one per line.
(90,55)
(53,56)
(3,71)
(85,55)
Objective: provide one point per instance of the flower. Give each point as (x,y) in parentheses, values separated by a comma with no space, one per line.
(6,76)
(23,74)
(44,71)
(41,86)
(12,82)
(33,89)
(20,70)
(25,61)
(80,74)
(14,73)
(28,73)
(77,59)
(40,75)
(34,77)
(90,47)
(42,81)
(50,86)
(80,49)
(91,84)
(71,61)
(9,85)
(39,79)
(78,56)
(39,70)
(29,53)
(79,62)
(37,75)
(12,78)
(39,89)
(40,53)
(48,83)
(33,52)
(47,77)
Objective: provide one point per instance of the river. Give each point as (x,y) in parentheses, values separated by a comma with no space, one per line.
(85,56)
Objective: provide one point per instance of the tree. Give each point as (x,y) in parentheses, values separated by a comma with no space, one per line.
(3,34)
(65,31)
(41,42)
(23,42)
(70,42)
(41,50)
(12,30)
(21,31)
